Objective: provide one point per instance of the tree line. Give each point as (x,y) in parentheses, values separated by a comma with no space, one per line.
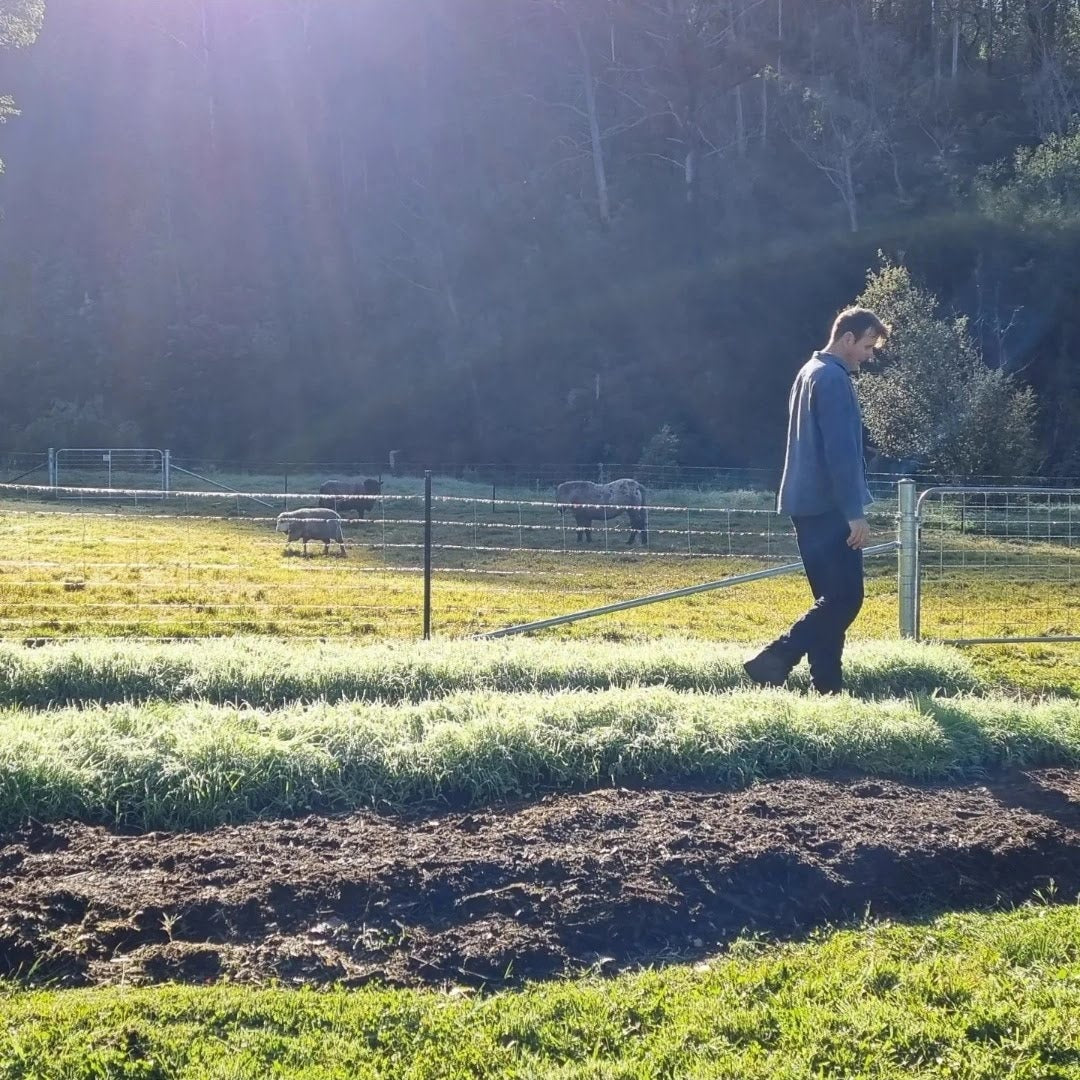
(537,230)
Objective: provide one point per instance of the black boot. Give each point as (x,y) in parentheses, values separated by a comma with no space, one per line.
(770,667)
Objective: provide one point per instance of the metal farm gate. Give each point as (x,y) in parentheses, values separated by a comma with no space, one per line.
(975,565)
(995,564)
(108,472)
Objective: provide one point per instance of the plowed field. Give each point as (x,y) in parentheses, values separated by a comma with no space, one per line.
(611,878)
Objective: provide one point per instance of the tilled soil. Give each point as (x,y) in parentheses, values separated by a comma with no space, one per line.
(606,879)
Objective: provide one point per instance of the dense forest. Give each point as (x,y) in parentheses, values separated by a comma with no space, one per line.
(522,230)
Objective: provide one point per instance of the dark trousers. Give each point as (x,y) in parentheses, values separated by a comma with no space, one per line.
(835,573)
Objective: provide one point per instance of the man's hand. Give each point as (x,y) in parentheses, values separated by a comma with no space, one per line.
(860,534)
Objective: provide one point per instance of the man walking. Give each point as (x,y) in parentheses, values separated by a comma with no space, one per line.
(824,490)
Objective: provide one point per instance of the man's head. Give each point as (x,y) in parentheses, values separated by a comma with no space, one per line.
(855,334)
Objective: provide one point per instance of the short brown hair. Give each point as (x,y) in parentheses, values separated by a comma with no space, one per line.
(858,320)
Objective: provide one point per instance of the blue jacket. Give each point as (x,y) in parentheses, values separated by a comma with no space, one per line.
(823,464)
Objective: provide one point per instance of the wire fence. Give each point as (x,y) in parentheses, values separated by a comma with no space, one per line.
(744,528)
(150,561)
(86,467)
(542,478)
(143,562)
(999,564)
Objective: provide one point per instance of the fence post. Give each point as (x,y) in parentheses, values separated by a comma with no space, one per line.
(52,469)
(908,560)
(427,554)
(165,470)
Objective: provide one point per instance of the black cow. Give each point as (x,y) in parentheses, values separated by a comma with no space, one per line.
(345,495)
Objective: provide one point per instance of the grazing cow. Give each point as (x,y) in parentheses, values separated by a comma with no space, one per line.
(343,495)
(590,502)
(312,523)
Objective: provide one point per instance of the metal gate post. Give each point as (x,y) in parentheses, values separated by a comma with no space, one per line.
(427,554)
(166,467)
(908,560)
(52,468)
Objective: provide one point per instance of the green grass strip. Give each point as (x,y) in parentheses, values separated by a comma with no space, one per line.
(195,765)
(973,997)
(269,673)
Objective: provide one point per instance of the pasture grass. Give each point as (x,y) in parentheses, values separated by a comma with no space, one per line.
(1034,670)
(195,765)
(134,572)
(396,724)
(266,673)
(967,997)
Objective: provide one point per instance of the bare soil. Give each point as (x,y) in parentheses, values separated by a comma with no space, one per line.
(608,879)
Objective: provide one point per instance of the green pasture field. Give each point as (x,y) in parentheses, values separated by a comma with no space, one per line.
(297,715)
(1043,670)
(162,570)
(147,571)
(978,997)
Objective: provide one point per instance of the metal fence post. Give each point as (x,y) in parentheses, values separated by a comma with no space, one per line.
(52,468)
(908,560)
(427,554)
(166,468)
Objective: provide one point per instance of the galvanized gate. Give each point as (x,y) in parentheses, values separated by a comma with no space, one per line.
(993,564)
(108,472)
